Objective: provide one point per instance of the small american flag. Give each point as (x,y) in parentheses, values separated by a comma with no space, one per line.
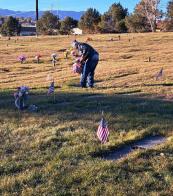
(103,131)
(51,88)
(160,74)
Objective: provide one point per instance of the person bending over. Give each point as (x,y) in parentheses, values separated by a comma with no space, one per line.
(89,59)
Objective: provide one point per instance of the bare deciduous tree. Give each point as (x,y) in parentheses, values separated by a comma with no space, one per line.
(150,9)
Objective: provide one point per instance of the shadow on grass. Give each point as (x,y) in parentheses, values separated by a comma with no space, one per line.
(128,92)
(23,67)
(120,93)
(123,113)
(69,106)
(4,70)
(126,74)
(168,84)
(80,113)
(126,56)
(147,142)
(121,75)
(75,83)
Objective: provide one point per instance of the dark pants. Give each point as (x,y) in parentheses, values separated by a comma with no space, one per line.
(87,76)
(20,102)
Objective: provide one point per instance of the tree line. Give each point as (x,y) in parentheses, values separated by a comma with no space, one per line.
(48,24)
(145,18)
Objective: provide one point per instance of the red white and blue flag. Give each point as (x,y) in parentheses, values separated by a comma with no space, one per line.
(160,74)
(51,88)
(103,131)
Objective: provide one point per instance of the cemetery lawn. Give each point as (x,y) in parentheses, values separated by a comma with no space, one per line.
(55,151)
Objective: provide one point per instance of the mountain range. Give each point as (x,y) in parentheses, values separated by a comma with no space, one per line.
(31,14)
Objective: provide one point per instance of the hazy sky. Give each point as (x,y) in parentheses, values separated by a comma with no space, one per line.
(75,5)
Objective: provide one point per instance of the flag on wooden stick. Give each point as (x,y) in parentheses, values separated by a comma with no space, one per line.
(160,74)
(103,131)
(51,88)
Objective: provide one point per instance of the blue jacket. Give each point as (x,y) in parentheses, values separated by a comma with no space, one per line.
(91,58)
(86,50)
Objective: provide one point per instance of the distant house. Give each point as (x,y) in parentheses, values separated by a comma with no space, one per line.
(77,31)
(28,31)
(27,24)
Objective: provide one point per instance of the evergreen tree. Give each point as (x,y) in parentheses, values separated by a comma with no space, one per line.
(136,23)
(90,20)
(10,27)
(48,24)
(67,25)
(113,21)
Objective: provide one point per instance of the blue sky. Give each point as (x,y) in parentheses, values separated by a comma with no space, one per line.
(75,5)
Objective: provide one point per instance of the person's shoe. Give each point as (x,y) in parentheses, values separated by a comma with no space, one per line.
(90,86)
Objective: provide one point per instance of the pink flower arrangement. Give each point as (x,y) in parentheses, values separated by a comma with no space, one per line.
(77,68)
(37,57)
(22,58)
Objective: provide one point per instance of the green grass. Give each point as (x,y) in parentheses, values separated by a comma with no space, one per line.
(55,151)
